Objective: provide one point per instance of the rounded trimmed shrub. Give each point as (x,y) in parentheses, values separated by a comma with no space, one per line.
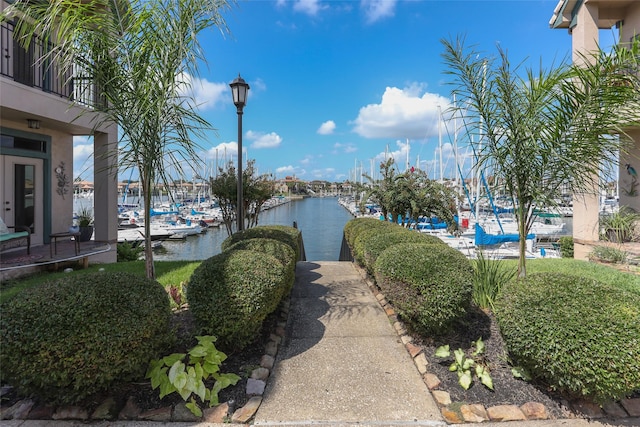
(429,285)
(357,225)
(580,336)
(230,295)
(362,237)
(279,250)
(289,235)
(69,338)
(377,243)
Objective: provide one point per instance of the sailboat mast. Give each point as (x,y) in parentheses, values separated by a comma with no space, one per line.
(440,142)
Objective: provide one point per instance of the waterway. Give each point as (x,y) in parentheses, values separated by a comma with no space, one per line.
(321,221)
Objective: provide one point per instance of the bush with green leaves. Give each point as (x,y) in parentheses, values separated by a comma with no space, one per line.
(289,235)
(566,246)
(354,227)
(373,244)
(69,338)
(608,254)
(128,252)
(578,335)
(230,295)
(279,250)
(362,237)
(429,285)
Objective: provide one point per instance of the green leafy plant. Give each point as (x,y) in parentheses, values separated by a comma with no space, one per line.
(488,278)
(566,246)
(85,217)
(520,372)
(128,252)
(174,374)
(463,364)
(619,227)
(609,254)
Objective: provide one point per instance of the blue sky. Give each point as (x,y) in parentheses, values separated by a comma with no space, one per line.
(335,85)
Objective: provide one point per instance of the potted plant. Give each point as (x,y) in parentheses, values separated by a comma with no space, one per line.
(619,227)
(85,224)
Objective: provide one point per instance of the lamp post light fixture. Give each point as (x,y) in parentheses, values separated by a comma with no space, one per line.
(239,90)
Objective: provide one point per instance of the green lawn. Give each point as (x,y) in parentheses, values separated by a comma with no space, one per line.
(602,273)
(175,272)
(167,273)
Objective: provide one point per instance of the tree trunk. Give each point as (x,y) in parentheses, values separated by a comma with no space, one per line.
(148,249)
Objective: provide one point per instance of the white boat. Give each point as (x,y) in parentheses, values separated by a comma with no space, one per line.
(187,228)
(508,225)
(136,234)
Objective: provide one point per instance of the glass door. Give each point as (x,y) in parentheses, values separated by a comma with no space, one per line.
(22,194)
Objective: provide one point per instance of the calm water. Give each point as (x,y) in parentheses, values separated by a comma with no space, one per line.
(321,221)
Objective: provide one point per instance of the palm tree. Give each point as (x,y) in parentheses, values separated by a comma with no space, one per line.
(141,56)
(541,130)
(410,195)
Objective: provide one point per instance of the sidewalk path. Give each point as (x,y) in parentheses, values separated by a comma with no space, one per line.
(342,362)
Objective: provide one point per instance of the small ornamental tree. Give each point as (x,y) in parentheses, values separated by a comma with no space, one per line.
(256,190)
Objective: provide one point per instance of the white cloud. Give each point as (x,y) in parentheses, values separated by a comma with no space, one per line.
(223,150)
(399,155)
(307,159)
(376,10)
(401,113)
(290,170)
(206,94)
(345,148)
(327,127)
(308,7)
(325,173)
(261,140)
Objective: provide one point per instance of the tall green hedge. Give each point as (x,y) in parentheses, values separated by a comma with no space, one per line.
(429,285)
(72,337)
(580,336)
(230,295)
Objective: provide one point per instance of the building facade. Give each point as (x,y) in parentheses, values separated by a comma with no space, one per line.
(584,19)
(42,108)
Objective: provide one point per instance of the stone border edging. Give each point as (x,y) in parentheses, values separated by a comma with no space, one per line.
(459,412)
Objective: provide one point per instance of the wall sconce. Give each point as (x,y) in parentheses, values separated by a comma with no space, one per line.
(33,124)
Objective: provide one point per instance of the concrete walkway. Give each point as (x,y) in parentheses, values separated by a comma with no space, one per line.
(342,362)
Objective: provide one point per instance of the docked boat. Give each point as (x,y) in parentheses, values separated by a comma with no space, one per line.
(136,234)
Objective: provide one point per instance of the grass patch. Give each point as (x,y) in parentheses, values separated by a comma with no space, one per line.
(167,273)
(602,273)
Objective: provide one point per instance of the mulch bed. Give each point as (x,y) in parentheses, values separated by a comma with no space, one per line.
(508,390)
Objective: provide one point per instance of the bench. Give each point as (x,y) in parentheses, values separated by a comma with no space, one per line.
(20,233)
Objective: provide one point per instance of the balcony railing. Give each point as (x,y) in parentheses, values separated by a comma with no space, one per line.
(32,67)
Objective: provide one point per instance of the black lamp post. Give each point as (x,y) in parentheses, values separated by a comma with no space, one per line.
(239,90)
